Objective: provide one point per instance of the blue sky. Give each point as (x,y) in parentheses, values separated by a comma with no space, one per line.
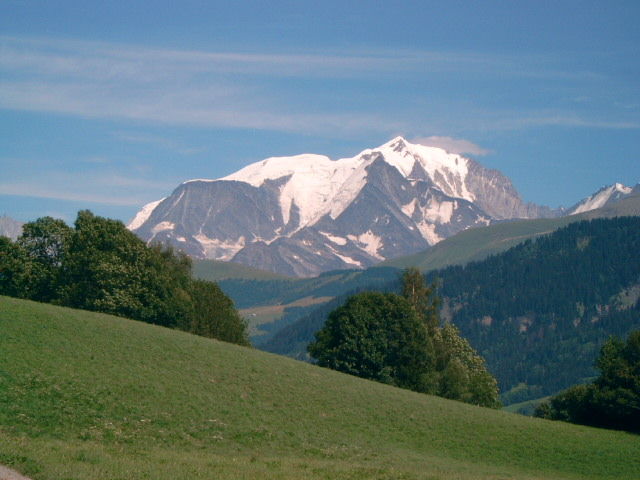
(110,105)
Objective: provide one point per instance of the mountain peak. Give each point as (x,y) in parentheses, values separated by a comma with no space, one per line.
(396,144)
(305,214)
(606,194)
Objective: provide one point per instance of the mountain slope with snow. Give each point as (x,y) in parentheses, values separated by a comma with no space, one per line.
(306,214)
(605,196)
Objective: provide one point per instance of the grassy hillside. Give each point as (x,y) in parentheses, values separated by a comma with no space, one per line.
(479,243)
(262,319)
(88,396)
(216,270)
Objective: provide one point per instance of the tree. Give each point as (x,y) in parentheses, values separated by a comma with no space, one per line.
(376,336)
(45,243)
(459,372)
(108,269)
(213,314)
(421,296)
(463,374)
(396,339)
(14,269)
(613,399)
(100,265)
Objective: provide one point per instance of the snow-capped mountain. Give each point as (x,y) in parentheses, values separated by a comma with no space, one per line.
(307,214)
(605,196)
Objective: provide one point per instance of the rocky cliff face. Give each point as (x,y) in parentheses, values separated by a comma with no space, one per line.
(308,214)
(496,195)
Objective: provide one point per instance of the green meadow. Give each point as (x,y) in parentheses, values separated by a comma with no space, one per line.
(91,396)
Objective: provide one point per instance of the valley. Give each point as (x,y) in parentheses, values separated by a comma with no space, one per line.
(319,240)
(295,327)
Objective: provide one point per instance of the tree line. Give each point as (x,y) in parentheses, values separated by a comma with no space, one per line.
(101,266)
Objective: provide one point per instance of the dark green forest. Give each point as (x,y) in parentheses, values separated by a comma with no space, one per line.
(538,313)
(99,265)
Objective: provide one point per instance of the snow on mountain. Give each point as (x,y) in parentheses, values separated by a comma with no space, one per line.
(447,170)
(318,185)
(605,195)
(313,181)
(306,214)
(143,215)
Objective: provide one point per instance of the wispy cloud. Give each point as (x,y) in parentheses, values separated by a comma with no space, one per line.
(453,145)
(251,90)
(98,60)
(119,61)
(158,141)
(516,120)
(41,191)
(201,106)
(94,186)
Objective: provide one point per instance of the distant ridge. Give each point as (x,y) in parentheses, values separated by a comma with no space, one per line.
(604,197)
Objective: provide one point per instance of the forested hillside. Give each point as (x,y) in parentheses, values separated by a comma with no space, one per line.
(539,312)
(476,244)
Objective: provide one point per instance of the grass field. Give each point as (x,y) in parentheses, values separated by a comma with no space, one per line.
(525,408)
(258,316)
(478,243)
(89,396)
(216,270)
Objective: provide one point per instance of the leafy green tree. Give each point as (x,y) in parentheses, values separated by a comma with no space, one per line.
(459,372)
(214,315)
(613,399)
(45,243)
(376,336)
(14,269)
(110,270)
(100,265)
(571,405)
(421,296)
(463,374)
(383,337)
